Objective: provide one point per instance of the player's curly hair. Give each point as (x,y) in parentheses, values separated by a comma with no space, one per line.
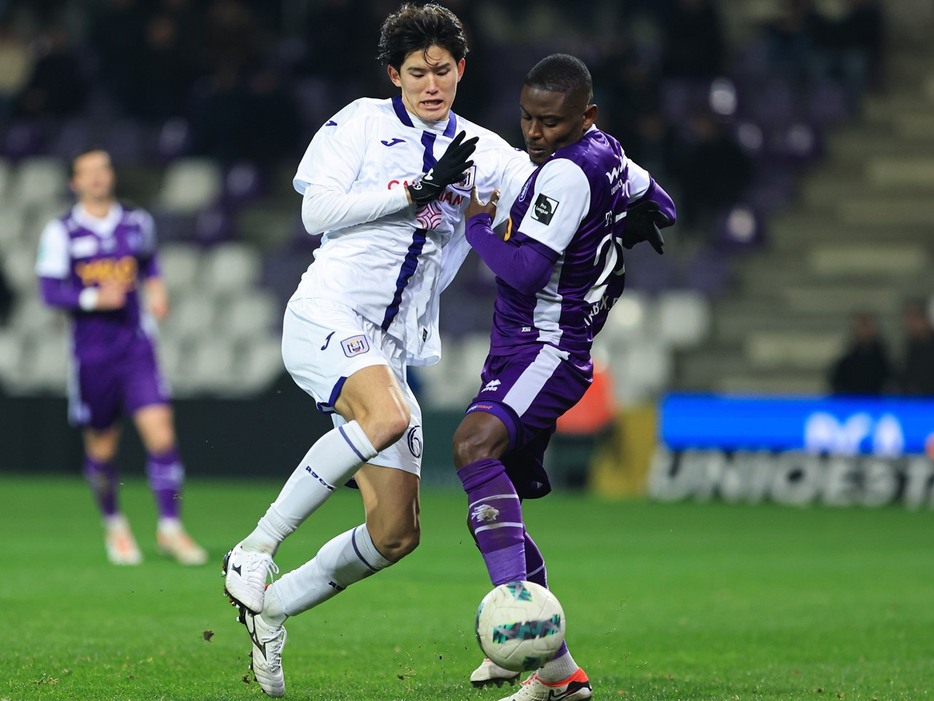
(417,28)
(562,73)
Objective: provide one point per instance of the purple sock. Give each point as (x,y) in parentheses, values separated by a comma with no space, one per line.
(166,475)
(534,563)
(102,478)
(494,517)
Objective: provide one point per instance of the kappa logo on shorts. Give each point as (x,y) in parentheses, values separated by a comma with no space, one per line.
(355,345)
(544,209)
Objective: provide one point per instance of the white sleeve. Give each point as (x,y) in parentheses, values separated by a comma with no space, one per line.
(53,259)
(327,173)
(516,170)
(639,180)
(558,204)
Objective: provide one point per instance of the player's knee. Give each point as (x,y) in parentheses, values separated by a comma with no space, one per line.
(469,446)
(385,429)
(397,545)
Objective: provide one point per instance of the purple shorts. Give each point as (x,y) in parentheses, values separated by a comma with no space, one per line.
(528,391)
(100,392)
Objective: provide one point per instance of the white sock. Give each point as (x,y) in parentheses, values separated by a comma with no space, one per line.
(330,462)
(557,669)
(340,562)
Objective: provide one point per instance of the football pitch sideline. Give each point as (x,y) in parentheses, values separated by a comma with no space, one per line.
(663,601)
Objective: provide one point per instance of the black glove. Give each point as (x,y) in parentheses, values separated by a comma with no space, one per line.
(641,224)
(447,170)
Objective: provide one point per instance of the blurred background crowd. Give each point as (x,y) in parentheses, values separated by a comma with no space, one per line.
(790,132)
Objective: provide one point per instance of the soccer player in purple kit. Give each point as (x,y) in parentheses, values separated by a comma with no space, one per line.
(559,269)
(98,263)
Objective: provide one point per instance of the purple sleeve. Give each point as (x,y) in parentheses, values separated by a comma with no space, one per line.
(149,267)
(59,293)
(666,206)
(522,262)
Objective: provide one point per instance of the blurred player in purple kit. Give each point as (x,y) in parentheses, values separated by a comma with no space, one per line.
(559,267)
(98,263)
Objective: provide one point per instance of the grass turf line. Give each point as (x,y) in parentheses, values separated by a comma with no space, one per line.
(677,601)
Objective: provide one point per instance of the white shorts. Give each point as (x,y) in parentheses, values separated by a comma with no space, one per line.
(324,343)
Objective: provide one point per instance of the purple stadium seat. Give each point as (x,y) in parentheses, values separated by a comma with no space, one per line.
(649,272)
(827,103)
(212,226)
(174,138)
(739,229)
(708,271)
(71,136)
(24,138)
(124,139)
(242,184)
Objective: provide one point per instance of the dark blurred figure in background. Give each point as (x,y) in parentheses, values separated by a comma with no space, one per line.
(56,87)
(694,45)
(15,69)
(917,371)
(864,368)
(6,298)
(852,55)
(711,169)
(794,39)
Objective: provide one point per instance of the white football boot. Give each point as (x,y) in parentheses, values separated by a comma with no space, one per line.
(175,542)
(574,688)
(245,576)
(266,655)
(490,673)
(120,543)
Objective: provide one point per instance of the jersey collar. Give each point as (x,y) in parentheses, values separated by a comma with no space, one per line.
(407,119)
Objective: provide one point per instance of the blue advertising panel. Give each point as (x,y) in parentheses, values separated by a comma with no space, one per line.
(887,427)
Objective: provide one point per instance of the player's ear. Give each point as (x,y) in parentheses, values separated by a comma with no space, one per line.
(590,116)
(394,76)
(460,69)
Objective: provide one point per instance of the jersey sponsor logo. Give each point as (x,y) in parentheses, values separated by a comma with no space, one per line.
(391,142)
(544,209)
(119,270)
(491,386)
(355,345)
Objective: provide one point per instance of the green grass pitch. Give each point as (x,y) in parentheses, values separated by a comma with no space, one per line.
(677,601)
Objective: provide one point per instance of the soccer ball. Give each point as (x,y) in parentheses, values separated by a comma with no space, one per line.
(520,625)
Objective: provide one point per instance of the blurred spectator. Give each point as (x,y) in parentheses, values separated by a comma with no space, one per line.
(56,86)
(917,371)
(711,169)
(166,71)
(15,69)
(853,53)
(864,367)
(794,38)
(694,45)
(115,31)
(6,298)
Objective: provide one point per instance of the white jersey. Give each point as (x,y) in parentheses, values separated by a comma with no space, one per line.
(379,255)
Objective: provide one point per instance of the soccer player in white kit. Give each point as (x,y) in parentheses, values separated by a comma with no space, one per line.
(387,181)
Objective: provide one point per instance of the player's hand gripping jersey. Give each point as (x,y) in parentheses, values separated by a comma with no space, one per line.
(561,267)
(380,255)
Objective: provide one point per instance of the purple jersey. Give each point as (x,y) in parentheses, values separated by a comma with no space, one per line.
(572,208)
(78,252)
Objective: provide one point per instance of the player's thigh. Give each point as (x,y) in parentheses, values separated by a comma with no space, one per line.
(324,344)
(391,500)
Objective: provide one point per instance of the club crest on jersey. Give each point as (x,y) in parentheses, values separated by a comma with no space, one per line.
(544,209)
(355,345)
(468,178)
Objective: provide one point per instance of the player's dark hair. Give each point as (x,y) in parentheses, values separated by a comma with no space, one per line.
(562,73)
(83,151)
(417,28)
